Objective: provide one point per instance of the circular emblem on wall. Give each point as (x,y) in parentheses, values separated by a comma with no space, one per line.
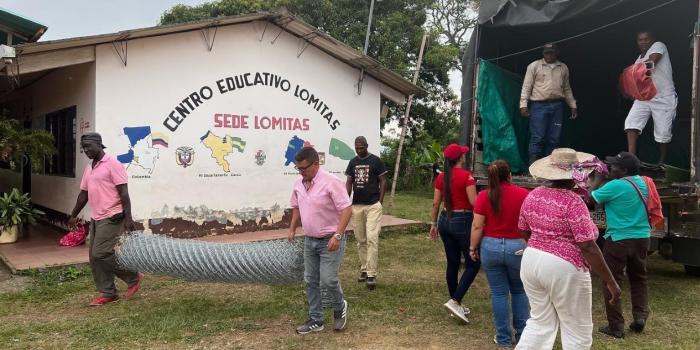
(260,157)
(184,156)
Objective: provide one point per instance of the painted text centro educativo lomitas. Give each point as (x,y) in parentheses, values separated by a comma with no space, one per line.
(241,81)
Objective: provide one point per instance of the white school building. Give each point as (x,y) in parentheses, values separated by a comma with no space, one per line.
(205,116)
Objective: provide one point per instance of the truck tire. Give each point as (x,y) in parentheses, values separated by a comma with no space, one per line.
(692,270)
(665,249)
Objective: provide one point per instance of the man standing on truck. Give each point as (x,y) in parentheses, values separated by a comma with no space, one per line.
(545,89)
(626,239)
(662,108)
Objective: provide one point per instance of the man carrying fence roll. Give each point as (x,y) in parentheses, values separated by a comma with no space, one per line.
(104,187)
(322,203)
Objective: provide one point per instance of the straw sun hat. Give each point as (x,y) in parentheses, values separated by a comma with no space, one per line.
(560,165)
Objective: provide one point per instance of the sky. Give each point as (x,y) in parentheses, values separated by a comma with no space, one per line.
(74,18)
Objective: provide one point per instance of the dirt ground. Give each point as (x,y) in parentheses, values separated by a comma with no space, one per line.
(10,283)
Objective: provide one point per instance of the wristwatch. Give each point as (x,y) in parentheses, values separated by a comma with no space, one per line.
(338,236)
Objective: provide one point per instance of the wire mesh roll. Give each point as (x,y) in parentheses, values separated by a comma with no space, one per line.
(269,262)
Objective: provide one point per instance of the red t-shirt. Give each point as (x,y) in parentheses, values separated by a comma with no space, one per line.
(461,179)
(505,224)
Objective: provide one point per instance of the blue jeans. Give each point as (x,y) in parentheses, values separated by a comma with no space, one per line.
(502,268)
(546,120)
(455,235)
(321,272)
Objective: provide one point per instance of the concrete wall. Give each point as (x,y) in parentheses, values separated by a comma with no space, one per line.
(198,181)
(62,88)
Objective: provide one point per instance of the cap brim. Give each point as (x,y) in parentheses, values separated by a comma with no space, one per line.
(612,160)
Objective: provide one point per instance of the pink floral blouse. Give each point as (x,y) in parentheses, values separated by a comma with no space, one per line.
(557,219)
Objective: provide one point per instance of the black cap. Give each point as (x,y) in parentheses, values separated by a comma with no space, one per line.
(92,137)
(549,47)
(626,160)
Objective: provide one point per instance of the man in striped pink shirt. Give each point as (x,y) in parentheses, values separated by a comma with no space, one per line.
(322,203)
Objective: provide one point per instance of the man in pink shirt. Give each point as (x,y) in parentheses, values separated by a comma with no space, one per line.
(104,186)
(322,202)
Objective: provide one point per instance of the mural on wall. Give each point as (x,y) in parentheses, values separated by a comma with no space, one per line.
(142,152)
(213,150)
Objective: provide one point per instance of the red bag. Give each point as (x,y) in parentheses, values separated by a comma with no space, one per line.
(636,82)
(75,237)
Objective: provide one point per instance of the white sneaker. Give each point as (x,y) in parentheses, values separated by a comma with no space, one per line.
(455,309)
(466,310)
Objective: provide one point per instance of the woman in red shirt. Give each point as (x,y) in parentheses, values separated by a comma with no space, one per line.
(496,215)
(457,189)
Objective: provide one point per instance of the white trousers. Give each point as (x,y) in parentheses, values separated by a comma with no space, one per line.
(661,109)
(560,297)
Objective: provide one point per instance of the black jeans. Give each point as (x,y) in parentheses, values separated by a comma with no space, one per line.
(455,233)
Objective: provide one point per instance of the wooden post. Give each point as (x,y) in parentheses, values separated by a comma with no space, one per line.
(694,123)
(405,120)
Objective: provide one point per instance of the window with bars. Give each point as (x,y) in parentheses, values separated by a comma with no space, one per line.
(61,124)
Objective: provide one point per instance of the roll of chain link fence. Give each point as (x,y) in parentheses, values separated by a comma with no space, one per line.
(269,262)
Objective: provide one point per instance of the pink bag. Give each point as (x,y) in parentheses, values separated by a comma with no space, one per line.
(75,237)
(636,82)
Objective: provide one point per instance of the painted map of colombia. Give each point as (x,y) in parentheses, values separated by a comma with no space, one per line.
(141,151)
(221,147)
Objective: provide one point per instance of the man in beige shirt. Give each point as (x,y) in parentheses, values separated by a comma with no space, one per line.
(546,88)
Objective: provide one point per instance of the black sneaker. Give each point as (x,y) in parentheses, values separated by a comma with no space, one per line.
(371,283)
(310,326)
(638,325)
(363,277)
(615,334)
(340,318)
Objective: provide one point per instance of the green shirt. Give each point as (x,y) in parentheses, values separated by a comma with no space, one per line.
(625,213)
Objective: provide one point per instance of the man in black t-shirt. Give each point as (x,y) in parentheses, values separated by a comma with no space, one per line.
(366,183)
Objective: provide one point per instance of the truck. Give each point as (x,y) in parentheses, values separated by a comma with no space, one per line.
(597,40)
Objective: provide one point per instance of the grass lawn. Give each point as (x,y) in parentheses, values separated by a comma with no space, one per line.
(404,312)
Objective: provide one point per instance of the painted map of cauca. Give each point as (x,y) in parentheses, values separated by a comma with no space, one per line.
(141,152)
(221,147)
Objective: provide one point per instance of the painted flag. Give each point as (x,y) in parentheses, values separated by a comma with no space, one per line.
(340,149)
(159,140)
(237,143)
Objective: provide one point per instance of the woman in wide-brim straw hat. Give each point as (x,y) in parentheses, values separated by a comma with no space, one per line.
(561,249)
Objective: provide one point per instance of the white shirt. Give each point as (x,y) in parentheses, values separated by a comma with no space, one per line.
(663,73)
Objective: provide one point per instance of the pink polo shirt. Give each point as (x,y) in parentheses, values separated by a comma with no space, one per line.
(101,186)
(321,205)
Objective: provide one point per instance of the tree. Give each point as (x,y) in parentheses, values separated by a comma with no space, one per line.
(454,20)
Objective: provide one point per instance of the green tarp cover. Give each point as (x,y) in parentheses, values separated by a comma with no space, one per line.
(504,131)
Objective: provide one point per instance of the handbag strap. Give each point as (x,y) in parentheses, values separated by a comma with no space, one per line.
(641,196)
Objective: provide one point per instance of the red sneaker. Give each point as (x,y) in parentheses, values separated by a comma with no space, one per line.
(135,287)
(99,301)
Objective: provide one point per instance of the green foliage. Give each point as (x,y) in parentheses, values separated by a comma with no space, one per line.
(16,208)
(417,158)
(17,142)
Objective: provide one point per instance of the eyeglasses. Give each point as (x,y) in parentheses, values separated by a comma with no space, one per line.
(302,169)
